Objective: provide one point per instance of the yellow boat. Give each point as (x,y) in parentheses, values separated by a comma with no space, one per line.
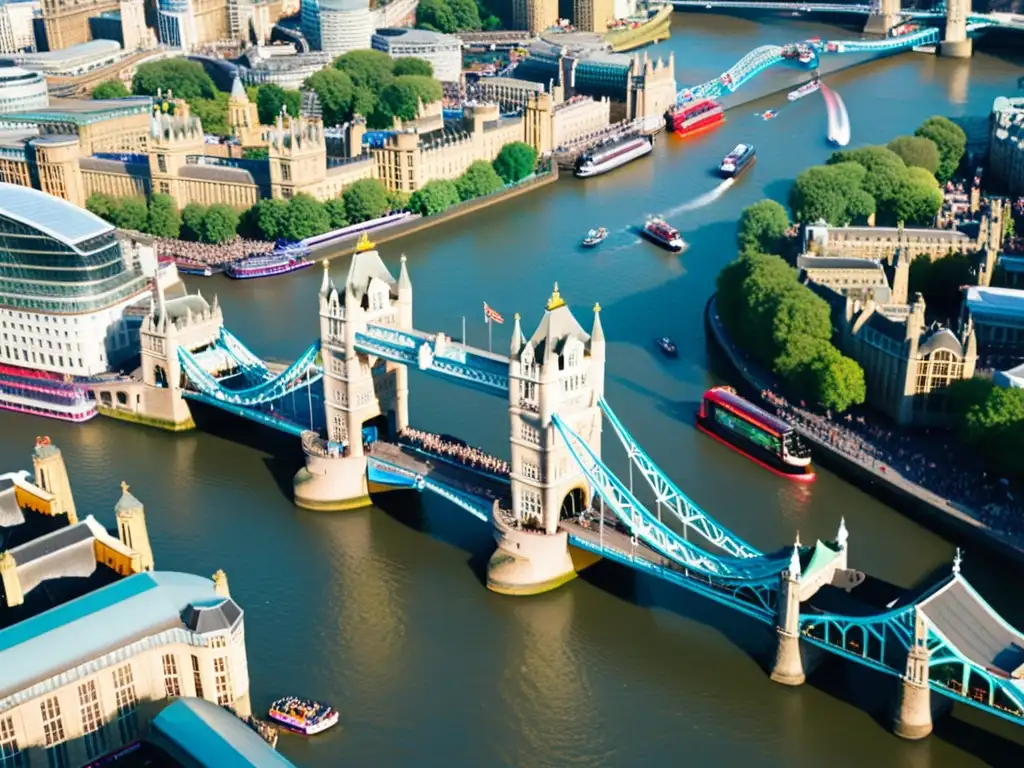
(654,30)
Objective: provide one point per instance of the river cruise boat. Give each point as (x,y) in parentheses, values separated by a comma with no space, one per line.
(610,156)
(695,117)
(24,390)
(737,161)
(190,267)
(660,232)
(595,237)
(763,438)
(805,90)
(267,265)
(667,346)
(303,716)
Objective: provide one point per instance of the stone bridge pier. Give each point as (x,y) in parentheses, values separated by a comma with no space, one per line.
(956,44)
(885,14)
(559,370)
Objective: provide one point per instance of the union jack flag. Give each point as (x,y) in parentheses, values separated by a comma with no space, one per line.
(490,316)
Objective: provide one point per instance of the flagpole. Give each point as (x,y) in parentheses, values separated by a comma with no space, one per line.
(490,327)
(464,330)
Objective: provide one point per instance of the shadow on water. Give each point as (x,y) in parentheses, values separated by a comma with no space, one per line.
(683,411)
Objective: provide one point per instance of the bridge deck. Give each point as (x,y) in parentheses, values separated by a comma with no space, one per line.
(456,476)
(614,537)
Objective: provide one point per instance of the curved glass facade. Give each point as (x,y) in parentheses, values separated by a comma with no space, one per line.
(40,273)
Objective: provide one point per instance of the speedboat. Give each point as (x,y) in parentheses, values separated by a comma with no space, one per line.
(304,716)
(667,346)
(595,237)
(660,232)
(769,114)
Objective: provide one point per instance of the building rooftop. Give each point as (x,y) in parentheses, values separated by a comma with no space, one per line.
(96,623)
(92,48)
(57,218)
(197,732)
(837,262)
(83,111)
(416,36)
(995,302)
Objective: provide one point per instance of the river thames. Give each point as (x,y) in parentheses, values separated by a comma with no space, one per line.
(383,613)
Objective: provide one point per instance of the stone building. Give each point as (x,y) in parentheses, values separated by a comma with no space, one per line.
(1006,145)
(67,21)
(578,117)
(997,317)
(857,278)
(593,15)
(534,15)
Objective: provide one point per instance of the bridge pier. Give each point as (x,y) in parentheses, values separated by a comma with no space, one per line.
(913,719)
(330,483)
(956,44)
(527,562)
(880,23)
(788,668)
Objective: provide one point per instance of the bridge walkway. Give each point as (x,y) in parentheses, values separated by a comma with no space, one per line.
(458,477)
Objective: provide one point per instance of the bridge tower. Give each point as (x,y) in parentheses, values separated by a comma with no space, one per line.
(358,388)
(956,43)
(885,14)
(789,666)
(559,371)
(913,718)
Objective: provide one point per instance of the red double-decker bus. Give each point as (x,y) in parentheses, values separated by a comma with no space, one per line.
(764,439)
(695,117)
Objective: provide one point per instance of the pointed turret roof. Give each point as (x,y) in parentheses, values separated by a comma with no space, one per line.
(517,336)
(597,332)
(558,326)
(365,266)
(238,91)
(127,502)
(404,283)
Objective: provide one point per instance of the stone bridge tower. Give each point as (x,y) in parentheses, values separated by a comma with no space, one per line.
(885,14)
(956,44)
(359,389)
(558,371)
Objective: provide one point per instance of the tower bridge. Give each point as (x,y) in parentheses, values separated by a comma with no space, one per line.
(560,508)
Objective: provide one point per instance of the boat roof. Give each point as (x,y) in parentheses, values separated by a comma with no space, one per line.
(747,409)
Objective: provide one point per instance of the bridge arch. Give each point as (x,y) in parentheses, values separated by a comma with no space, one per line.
(575,502)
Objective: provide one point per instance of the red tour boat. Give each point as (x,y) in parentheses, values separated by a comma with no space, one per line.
(764,439)
(695,117)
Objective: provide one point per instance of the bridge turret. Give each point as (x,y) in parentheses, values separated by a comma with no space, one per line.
(956,44)
(789,667)
(913,719)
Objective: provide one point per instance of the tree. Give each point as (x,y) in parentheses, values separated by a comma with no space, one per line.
(950,140)
(220,224)
(860,206)
(515,162)
(131,213)
(435,15)
(186,79)
(411,65)
(255,153)
(916,152)
(799,312)
(192,216)
(466,13)
(335,90)
(213,114)
(270,217)
(102,205)
(814,197)
(478,180)
(434,197)
(763,226)
(368,69)
(402,97)
(913,201)
(271,98)
(398,200)
(306,217)
(838,380)
(366,199)
(164,219)
(110,89)
(884,169)
(336,213)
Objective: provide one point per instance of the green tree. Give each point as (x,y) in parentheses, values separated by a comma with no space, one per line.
(369,69)
(478,180)
(885,169)
(271,98)
(336,92)
(763,226)
(435,15)
(411,65)
(102,205)
(255,153)
(110,89)
(515,162)
(814,196)
(336,213)
(838,380)
(798,311)
(434,197)
(913,202)
(271,214)
(398,200)
(192,216)
(131,213)
(366,199)
(186,79)
(860,206)
(213,114)
(402,97)
(306,217)
(950,140)
(916,152)
(220,224)
(466,13)
(164,219)
(364,101)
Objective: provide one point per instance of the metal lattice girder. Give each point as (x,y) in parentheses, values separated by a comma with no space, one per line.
(246,359)
(763,611)
(280,424)
(477,359)
(385,473)
(648,528)
(668,494)
(304,371)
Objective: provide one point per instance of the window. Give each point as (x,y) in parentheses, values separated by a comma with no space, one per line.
(53,734)
(222,680)
(529,503)
(172,686)
(197,677)
(92,720)
(161,161)
(286,172)
(528,433)
(531,470)
(124,688)
(10,755)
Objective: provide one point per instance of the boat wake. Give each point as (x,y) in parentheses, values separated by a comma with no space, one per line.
(703,200)
(838,118)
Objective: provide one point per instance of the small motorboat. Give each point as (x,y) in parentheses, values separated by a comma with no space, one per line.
(769,114)
(660,232)
(667,346)
(595,237)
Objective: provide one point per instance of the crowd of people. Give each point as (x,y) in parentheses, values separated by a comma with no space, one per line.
(930,460)
(205,253)
(454,451)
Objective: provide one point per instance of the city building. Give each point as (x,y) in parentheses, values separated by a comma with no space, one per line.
(593,15)
(126,26)
(280,65)
(243,117)
(21,90)
(66,22)
(16,32)
(189,24)
(1012,268)
(1006,145)
(73,60)
(444,52)
(508,92)
(578,116)
(534,15)
(93,640)
(997,317)
(397,13)
(64,316)
(856,278)
(908,364)
(337,26)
